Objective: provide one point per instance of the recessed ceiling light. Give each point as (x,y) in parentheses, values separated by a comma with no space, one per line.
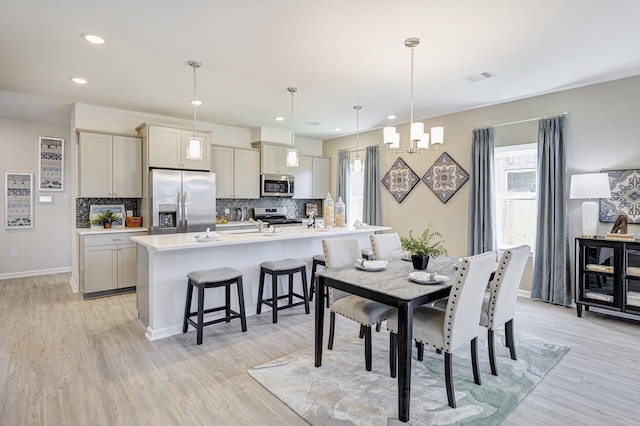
(196,102)
(79,80)
(278,118)
(93,38)
(391,117)
(337,129)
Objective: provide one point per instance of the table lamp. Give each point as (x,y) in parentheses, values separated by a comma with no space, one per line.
(588,186)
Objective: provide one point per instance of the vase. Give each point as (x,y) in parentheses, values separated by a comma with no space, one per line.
(420,262)
(107,225)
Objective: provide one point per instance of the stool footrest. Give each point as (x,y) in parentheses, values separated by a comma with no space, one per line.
(234,315)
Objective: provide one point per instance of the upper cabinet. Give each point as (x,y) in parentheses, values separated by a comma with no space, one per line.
(237,172)
(272,158)
(110,165)
(166,147)
(312,176)
(321,177)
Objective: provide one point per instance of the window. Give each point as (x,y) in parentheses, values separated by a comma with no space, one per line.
(516,194)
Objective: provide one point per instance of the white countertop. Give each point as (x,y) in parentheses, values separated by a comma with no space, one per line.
(89,231)
(168,242)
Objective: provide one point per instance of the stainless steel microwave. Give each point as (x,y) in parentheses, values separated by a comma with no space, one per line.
(276,185)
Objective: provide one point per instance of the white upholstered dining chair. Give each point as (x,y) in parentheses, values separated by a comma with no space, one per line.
(448,329)
(499,303)
(386,246)
(342,253)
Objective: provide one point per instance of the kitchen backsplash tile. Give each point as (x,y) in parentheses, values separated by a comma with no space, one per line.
(83,206)
(295,208)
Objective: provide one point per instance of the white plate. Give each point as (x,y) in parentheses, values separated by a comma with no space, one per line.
(371,265)
(427,277)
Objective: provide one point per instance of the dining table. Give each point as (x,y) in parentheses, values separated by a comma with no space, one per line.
(392,286)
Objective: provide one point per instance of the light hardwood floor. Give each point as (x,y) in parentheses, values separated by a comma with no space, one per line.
(65,361)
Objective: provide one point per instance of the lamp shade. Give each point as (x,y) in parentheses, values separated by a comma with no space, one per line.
(590,185)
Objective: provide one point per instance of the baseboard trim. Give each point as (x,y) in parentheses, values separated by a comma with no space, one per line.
(524,293)
(23,274)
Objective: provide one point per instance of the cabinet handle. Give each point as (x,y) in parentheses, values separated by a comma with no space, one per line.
(116,239)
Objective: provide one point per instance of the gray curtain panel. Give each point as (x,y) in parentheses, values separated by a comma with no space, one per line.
(372,209)
(551,279)
(342,181)
(482,210)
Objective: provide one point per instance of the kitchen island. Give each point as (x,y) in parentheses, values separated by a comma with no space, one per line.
(165,260)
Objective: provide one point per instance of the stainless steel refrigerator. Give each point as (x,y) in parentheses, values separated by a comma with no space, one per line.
(181,201)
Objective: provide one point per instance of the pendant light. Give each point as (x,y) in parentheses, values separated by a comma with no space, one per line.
(357,165)
(418,139)
(194,146)
(292,153)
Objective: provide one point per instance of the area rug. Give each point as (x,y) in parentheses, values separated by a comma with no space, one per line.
(342,392)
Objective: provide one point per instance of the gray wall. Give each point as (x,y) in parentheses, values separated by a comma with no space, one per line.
(45,248)
(602,134)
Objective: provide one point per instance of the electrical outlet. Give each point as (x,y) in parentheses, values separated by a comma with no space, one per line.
(14,252)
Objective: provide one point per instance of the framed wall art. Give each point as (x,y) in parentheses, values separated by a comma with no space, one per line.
(445,177)
(51,164)
(400,180)
(18,209)
(625,196)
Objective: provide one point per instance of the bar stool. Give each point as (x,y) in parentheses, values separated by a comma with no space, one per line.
(283,267)
(318,260)
(210,279)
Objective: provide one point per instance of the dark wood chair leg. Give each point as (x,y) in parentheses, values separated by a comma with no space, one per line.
(314,268)
(274,297)
(508,331)
(227,302)
(378,325)
(448,378)
(492,351)
(290,289)
(200,314)
(260,291)
(420,347)
(332,327)
(393,355)
(243,317)
(474,361)
(367,348)
(361,335)
(305,294)
(187,308)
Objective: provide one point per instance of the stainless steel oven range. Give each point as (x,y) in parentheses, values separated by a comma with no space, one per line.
(274,216)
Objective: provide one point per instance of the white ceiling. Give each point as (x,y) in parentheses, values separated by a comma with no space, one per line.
(338,53)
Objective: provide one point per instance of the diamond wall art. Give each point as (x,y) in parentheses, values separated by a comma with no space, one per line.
(445,177)
(400,180)
(625,196)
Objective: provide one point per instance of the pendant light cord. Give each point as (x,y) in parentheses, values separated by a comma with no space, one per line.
(292,90)
(195,65)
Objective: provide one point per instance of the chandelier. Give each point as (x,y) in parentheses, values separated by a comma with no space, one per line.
(418,139)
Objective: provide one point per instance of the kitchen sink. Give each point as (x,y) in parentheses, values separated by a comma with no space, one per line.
(240,231)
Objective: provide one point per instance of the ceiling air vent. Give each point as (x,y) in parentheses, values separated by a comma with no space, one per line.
(315,123)
(474,78)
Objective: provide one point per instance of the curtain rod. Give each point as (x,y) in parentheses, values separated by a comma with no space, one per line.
(358,149)
(521,121)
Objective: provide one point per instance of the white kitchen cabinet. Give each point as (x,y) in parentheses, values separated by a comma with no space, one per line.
(321,177)
(110,165)
(108,263)
(273,158)
(237,172)
(166,147)
(302,187)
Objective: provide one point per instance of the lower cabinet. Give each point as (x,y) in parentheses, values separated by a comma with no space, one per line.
(108,263)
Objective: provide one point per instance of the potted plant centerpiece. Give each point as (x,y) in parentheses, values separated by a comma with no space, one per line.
(423,246)
(106,218)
